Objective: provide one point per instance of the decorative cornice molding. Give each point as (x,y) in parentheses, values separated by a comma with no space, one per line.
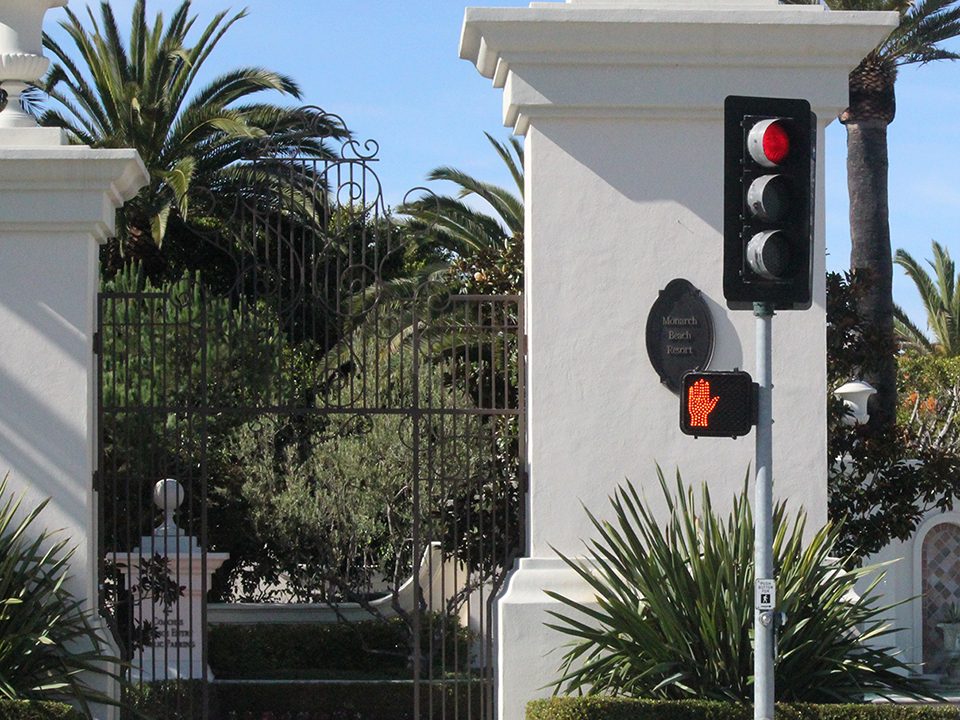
(631,58)
(66,190)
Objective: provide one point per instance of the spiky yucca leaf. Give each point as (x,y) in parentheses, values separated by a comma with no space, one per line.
(49,648)
(674,608)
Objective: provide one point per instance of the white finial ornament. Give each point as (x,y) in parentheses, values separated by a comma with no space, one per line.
(168,538)
(21,54)
(167,496)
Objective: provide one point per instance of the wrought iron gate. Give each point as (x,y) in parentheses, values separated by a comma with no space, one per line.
(343,431)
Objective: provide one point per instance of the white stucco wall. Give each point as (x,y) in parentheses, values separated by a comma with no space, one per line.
(56,205)
(609,225)
(621,103)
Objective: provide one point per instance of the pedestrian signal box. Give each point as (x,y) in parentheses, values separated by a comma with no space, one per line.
(717,404)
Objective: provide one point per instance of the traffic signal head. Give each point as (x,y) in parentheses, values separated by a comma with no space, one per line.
(717,404)
(769,168)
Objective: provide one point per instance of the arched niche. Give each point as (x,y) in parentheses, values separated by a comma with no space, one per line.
(936,583)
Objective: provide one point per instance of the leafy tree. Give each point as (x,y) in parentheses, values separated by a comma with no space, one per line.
(881,484)
(335,507)
(194,140)
(924,26)
(941,299)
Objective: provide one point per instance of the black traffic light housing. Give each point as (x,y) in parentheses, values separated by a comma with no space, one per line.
(769,192)
(717,404)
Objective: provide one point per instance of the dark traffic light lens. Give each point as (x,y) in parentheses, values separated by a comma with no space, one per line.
(769,197)
(768,254)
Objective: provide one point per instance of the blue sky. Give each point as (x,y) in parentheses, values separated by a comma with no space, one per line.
(390,69)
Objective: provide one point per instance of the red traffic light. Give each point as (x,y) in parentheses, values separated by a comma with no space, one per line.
(769,168)
(717,404)
(769,142)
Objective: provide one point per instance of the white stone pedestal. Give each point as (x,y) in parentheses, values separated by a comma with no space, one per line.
(621,103)
(176,653)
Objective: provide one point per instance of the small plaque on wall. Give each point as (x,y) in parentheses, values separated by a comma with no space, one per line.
(679,332)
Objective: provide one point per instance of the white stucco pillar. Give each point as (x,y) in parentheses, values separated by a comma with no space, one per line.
(57,204)
(621,103)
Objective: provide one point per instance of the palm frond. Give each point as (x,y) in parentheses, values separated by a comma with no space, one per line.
(940,295)
(504,203)
(144,94)
(908,333)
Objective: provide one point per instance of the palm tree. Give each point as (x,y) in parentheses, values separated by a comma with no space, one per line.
(924,26)
(941,299)
(485,250)
(193,140)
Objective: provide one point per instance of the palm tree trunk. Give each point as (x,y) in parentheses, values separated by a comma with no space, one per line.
(871,258)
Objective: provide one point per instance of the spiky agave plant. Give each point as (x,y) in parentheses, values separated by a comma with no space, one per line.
(49,649)
(673,613)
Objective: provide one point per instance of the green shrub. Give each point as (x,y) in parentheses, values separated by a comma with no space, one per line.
(602,708)
(259,651)
(24,710)
(675,611)
(169,700)
(381,648)
(355,701)
(46,637)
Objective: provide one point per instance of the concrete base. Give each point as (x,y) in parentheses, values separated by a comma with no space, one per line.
(528,652)
(103,683)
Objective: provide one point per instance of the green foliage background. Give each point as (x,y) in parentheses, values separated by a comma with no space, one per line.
(597,708)
(882,483)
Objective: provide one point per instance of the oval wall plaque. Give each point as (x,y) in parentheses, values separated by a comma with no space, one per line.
(679,333)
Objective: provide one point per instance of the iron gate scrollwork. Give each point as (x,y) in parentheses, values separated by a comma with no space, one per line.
(344,428)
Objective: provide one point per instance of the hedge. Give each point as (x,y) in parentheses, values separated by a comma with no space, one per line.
(169,700)
(260,651)
(361,650)
(602,708)
(23,710)
(356,701)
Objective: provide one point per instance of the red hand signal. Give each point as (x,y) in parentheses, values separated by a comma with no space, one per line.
(700,404)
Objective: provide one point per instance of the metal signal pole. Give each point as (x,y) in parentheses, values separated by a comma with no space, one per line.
(765,593)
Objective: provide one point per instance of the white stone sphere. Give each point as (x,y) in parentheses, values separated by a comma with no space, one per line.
(167,494)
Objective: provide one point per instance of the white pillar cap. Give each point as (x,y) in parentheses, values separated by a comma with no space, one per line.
(668,4)
(599,58)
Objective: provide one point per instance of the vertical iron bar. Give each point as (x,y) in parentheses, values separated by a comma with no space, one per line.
(416,417)
(204,418)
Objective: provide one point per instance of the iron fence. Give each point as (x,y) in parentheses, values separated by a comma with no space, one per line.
(342,431)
